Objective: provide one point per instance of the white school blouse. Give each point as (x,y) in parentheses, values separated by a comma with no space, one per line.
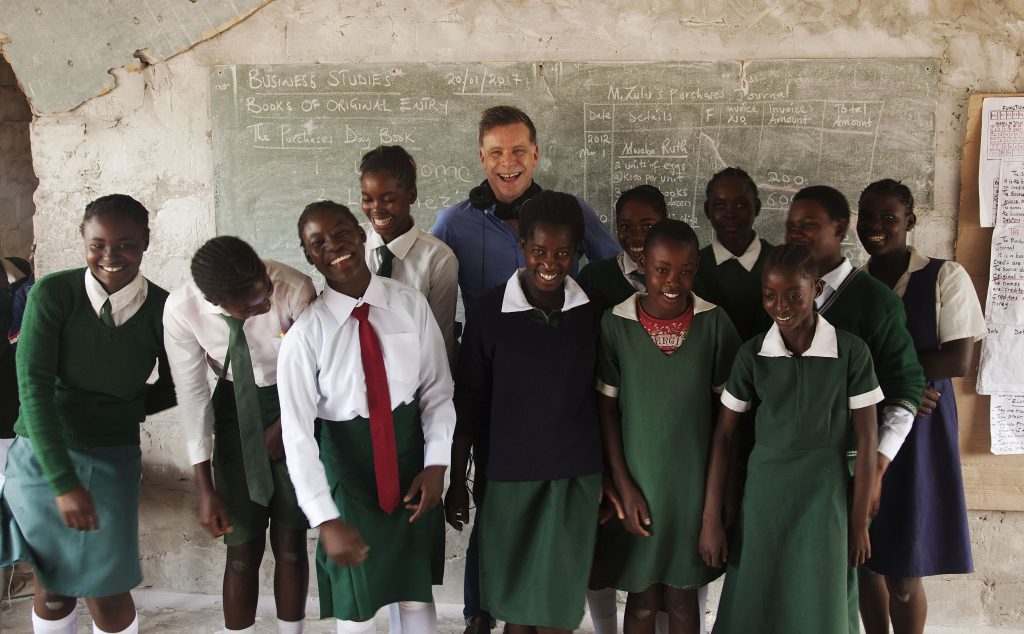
(428,265)
(957,309)
(320,375)
(196,339)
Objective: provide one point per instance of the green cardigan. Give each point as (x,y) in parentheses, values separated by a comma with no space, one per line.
(870,310)
(83,384)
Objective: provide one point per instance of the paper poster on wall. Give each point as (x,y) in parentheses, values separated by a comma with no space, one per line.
(1006,424)
(1002,360)
(1002,140)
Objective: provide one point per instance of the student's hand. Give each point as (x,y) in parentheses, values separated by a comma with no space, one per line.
(77,510)
(860,543)
(929,400)
(611,501)
(635,508)
(456,505)
(342,543)
(428,484)
(213,514)
(714,548)
(273,440)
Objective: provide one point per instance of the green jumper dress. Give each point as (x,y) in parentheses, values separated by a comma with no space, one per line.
(787,568)
(666,406)
(405,559)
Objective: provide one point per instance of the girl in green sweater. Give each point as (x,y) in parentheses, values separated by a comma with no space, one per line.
(89,342)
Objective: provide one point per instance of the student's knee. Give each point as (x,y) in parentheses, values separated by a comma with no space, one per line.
(642,606)
(244,559)
(904,589)
(56,606)
(288,544)
(354,627)
(681,605)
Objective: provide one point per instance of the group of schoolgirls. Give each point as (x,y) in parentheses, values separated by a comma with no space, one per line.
(598,402)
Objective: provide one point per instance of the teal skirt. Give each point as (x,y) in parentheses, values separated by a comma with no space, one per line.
(405,560)
(536,549)
(70,562)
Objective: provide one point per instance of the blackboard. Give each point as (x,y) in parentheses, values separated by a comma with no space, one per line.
(285,136)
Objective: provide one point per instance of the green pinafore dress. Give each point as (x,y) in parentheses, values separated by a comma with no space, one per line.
(405,559)
(787,568)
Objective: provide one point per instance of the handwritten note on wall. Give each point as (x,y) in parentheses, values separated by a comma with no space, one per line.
(1007,424)
(1001,183)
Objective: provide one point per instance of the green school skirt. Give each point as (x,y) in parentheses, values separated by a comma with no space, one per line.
(70,562)
(405,559)
(536,549)
(248,519)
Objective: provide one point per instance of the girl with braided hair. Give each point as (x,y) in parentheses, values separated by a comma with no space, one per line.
(396,247)
(230,319)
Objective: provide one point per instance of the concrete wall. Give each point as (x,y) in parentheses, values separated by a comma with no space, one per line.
(150,137)
(17,181)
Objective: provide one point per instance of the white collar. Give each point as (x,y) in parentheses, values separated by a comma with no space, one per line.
(400,246)
(341,305)
(747,260)
(12,272)
(835,277)
(626,264)
(99,295)
(824,344)
(917,261)
(627,308)
(514,300)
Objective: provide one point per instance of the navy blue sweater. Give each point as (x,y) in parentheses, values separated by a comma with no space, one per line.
(525,388)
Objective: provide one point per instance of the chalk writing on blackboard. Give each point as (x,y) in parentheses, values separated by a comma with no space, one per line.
(286,135)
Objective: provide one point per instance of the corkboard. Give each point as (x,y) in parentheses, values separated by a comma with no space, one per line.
(991,482)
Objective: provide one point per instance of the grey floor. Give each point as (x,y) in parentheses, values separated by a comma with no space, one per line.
(167,612)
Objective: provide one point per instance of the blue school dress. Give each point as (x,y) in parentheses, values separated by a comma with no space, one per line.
(921,527)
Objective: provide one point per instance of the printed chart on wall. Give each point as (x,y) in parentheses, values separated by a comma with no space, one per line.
(288,135)
(1001,198)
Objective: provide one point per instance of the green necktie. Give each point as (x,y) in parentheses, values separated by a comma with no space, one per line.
(386,258)
(250,421)
(106,316)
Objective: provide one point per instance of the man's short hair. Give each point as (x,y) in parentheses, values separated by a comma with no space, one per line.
(505,115)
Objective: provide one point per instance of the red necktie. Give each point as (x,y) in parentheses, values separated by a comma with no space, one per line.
(382,425)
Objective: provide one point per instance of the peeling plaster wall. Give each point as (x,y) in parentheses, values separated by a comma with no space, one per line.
(150,137)
(17,181)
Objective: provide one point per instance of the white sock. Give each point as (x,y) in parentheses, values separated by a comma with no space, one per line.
(394,618)
(133,628)
(418,617)
(248,630)
(66,625)
(354,627)
(661,623)
(288,627)
(604,610)
(702,612)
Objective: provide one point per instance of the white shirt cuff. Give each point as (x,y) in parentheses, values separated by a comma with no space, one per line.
(867,399)
(437,453)
(734,403)
(320,509)
(896,425)
(608,390)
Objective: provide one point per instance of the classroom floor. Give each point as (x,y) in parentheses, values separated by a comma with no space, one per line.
(165,612)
